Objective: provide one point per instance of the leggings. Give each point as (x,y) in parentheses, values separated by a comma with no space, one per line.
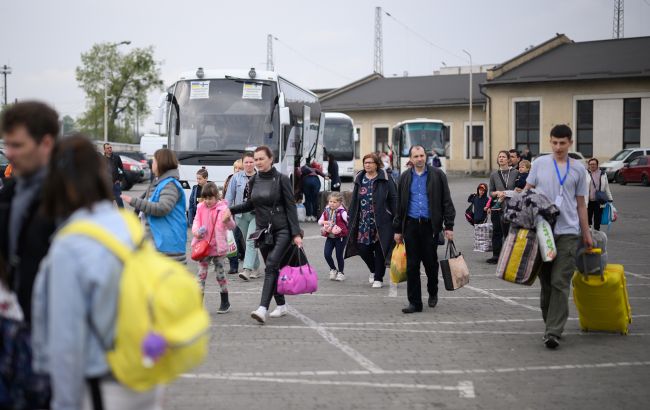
(273,256)
(339,245)
(218,262)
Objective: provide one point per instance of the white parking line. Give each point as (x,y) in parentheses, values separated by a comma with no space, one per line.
(503,299)
(334,341)
(638,275)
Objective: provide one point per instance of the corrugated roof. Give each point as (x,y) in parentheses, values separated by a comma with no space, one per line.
(406,92)
(589,60)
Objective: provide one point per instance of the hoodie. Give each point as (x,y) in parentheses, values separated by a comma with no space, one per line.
(216,229)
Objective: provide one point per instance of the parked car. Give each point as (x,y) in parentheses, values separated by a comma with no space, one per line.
(616,163)
(638,170)
(3,163)
(573,155)
(141,158)
(133,172)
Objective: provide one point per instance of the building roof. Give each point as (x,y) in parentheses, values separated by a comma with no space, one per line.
(376,92)
(589,60)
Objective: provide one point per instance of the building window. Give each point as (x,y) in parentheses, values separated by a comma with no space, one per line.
(632,123)
(476,144)
(527,126)
(585,128)
(357,145)
(381,139)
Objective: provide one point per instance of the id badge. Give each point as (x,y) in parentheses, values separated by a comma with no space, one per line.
(558,200)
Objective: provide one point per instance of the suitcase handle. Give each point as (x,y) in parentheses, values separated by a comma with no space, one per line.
(593,251)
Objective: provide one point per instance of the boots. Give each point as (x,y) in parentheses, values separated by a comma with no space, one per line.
(225,305)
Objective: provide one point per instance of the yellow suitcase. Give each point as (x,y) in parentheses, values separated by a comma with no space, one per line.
(602,300)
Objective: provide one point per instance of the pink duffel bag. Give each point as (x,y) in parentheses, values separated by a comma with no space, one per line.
(296,280)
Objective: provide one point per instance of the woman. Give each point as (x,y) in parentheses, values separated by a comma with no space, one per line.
(233,261)
(162,206)
(78,284)
(271,196)
(501,180)
(598,187)
(237,194)
(310,188)
(374,201)
(333,172)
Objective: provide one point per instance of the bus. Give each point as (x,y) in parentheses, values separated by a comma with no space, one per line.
(431,134)
(338,139)
(211,117)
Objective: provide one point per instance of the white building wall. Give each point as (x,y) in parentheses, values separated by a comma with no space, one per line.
(608,127)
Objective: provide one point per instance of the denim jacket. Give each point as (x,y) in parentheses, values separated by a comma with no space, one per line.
(78,282)
(235,192)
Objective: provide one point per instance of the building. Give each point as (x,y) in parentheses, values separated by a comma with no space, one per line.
(601,89)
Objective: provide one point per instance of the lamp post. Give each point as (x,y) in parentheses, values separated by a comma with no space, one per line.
(112,45)
(4,70)
(471,128)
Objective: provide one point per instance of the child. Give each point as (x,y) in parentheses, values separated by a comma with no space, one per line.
(480,203)
(524,169)
(209,224)
(334,222)
(195,195)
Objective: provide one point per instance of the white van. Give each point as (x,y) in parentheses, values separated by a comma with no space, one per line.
(150,143)
(621,158)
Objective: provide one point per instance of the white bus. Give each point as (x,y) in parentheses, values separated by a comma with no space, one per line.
(431,134)
(338,139)
(213,116)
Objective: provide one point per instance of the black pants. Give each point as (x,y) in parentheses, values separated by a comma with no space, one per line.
(594,213)
(499,232)
(374,258)
(339,245)
(273,256)
(421,247)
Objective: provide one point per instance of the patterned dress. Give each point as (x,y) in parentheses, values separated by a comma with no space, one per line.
(367,234)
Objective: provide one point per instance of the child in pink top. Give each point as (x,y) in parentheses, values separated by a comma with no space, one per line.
(209,224)
(334,222)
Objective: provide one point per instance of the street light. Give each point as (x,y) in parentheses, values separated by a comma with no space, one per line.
(4,70)
(112,45)
(471,129)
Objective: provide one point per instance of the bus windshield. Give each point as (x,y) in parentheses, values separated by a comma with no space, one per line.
(224,115)
(427,134)
(338,139)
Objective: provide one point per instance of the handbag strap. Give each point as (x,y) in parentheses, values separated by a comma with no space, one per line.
(451,250)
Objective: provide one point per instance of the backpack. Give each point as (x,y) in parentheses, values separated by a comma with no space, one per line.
(157,294)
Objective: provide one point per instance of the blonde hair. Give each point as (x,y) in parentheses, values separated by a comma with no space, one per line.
(237,165)
(525,163)
(337,196)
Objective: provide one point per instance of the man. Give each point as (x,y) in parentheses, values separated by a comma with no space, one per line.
(527,155)
(563,182)
(513,158)
(117,172)
(29,130)
(423,205)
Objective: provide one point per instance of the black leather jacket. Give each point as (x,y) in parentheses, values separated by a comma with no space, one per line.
(268,188)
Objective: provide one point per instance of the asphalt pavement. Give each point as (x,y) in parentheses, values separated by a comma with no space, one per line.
(348,346)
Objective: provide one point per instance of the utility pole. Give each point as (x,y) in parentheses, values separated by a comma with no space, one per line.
(269,52)
(379,43)
(471,128)
(106,92)
(617,31)
(4,70)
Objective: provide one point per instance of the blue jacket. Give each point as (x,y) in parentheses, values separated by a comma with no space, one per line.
(169,231)
(194,197)
(235,191)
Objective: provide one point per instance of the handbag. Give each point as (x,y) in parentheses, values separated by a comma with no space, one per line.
(297,280)
(454,269)
(601,197)
(201,249)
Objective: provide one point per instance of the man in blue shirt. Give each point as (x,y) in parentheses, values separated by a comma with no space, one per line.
(424,206)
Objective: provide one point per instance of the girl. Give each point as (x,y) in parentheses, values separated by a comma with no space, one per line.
(481,203)
(195,195)
(208,224)
(334,221)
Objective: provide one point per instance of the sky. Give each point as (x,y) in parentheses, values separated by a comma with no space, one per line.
(321,44)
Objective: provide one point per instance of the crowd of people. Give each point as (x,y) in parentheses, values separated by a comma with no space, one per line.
(71,283)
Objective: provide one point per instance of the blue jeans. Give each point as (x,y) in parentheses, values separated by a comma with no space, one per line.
(310,187)
(339,245)
(246,224)
(117,191)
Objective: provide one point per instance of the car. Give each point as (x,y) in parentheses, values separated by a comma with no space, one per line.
(573,155)
(141,158)
(3,163)
(133,172)
(638,170)
(616,163)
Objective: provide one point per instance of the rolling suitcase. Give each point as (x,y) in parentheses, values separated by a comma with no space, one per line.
(602,300)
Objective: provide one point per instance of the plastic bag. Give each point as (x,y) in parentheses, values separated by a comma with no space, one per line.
(232,245)
(547,248)
(398,264)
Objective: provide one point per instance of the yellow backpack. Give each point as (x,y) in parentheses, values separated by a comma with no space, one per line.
(156,294)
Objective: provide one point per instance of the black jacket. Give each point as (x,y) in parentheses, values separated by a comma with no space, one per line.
(265,191)
(441,208)
(384,199)
(115,167)
(33,244)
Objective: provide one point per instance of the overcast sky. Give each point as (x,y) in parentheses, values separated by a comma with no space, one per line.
(321,43)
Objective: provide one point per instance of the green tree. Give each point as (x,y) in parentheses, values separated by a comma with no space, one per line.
(68,125)
(128,77)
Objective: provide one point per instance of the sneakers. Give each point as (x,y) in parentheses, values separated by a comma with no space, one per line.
(279,311)
(340,277)
(377,284)
(333,274)
(551,341)
(371,278)
(245,275)
(310,219)
(254,274)
(259,314)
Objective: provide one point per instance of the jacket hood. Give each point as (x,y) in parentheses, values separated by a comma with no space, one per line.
(222,205)
(171,173)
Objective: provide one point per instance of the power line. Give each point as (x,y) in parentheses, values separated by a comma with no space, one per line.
(304,57)
(426,40)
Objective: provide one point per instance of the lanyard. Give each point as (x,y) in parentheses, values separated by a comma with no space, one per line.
(557,171)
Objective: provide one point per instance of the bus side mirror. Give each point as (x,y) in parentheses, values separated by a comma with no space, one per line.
(159,112)
(285,116)
(356,136)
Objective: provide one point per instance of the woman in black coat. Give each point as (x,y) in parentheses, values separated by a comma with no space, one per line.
(374,201)
(333,172)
